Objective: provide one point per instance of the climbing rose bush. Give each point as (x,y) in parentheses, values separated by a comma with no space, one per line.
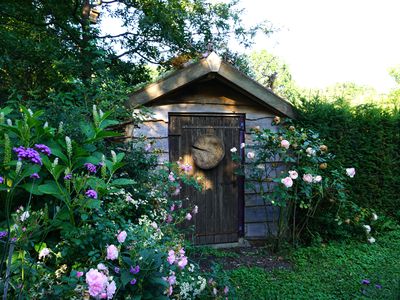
(291,168)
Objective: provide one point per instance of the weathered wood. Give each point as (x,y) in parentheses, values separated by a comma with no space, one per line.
(217,220)
(151,129)
(255,200)
(260,230)
(208,151)
(258,214)
(220,71)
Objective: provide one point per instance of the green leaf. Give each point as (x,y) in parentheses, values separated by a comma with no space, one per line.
(92,203)
(125,277)
(51,188)
(40,246)
(123,181)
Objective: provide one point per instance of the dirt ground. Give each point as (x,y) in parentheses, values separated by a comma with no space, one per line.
(233,258)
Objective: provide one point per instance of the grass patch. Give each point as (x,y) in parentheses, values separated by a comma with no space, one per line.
(333,271)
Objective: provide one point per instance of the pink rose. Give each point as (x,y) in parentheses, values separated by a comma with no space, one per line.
(169,219)
(250,155)
(317,179)
(287,181)
(182,262)
(293,174)
(285,144)
(171,177)
(308,178)
(122,236)
(177,191)
(351,172)
(188,217)
(171,257)
(96,281)
(111,288)
(112,252)
(79,274)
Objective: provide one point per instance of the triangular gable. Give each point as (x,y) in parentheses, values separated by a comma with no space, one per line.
(212,65)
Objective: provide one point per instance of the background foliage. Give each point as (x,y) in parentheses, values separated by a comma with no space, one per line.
(366,137)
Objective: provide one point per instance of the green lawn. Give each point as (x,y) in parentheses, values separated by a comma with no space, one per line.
(333,271)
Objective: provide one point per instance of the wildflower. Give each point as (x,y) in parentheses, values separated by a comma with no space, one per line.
(91,194)
(374,217)
(43,148)
(308,178)
(133,281)
(285,144)
(277,120)
(1,180)
(25,215)
(233,150)
(44,252)
(378,286)
(287,182)
(242,145)
(90,167)
(113,156)
(18,167)
(168,219)
(317,179)
(177,191)
(367,228)
(96,281)
(116,270)
(351,172)
(226,290)
(365,281)
(215,291)
(28,154)
(250,155)
(68,143)
(68,176)
(371,240)
(293,174)
(3,234)
(171,257)
(195,210)
(79,274)
(122,236)
(171,177)
(111,288)
(35,176)
(188,217)
(186,168)
(112,252)
(171,279)
(172,208)
(134,270)
(182,262)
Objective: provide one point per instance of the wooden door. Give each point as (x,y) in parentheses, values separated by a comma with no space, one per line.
(220,216)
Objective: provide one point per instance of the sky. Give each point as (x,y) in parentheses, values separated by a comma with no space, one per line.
(328,41)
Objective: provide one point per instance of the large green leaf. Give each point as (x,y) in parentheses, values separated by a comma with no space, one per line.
(51,188)
(123,181)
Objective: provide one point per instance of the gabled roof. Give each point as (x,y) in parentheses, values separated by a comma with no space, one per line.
(212,66)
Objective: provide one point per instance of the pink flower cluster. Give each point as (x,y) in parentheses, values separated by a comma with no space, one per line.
(178,258)
(185,167)
(171,281)
(99,286)
(309,178)
(112,252)
(121,236)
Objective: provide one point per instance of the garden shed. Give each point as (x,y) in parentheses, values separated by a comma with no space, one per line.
(200,113)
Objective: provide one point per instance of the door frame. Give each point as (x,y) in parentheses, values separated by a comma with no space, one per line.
(242,137)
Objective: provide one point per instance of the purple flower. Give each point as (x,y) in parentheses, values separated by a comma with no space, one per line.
(134,270)
(365,281)
(29,154)
(3,234)
(116,270)
(43,148)
(68,176)
(90,167)
(1,180)
(35,176)
(378,286)
(133,281)
(91,194)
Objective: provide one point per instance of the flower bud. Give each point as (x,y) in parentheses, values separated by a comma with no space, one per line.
(277,120)
(323,148)
(323,166)
(292,128)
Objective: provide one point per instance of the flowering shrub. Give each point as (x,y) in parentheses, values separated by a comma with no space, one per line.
(73,226)
(293,169)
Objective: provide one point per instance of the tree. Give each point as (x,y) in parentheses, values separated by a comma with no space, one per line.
(48,47)
(273,73)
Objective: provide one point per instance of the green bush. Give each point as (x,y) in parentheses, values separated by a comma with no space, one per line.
(366,137)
